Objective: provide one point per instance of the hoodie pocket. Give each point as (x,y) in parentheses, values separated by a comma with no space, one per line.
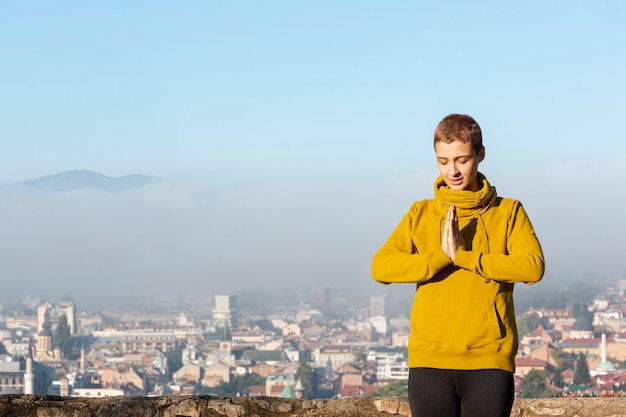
(459,327)
(497,324)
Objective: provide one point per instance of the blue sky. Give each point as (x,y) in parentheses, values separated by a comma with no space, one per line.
(277,90)
(322,111)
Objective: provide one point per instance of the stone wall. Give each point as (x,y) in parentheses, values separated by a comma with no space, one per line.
(205,406)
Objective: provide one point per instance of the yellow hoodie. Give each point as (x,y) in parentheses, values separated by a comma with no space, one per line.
(463,315)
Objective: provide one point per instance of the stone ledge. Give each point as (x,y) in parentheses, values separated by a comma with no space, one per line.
(207,406)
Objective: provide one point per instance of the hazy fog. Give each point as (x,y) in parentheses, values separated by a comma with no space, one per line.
(178,240)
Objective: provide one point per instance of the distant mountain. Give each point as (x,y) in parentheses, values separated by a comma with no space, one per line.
(88,180)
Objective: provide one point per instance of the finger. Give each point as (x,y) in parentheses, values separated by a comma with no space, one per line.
(455,223)
(445,239)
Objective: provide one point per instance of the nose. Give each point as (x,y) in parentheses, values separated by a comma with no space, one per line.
(452,169)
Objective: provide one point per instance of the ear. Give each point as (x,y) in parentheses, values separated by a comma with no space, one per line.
(481,154)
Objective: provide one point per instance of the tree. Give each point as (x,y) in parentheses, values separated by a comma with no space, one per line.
(360,354)
(238,386)
(534,385)
(225,389)
(242,383)
(265,325)
(305,376)
(557,378)
(175,358)
(527,324)
(557,359)
(581,371)
(580,309)
(62,337)
(337,325)
(397,388)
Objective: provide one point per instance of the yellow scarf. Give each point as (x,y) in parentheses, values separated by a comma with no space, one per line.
(469,204)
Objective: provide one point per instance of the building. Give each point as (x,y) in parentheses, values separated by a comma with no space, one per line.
(23,376)
(590,347)
(275,383)
(392,372)
(377,305)
(335,355)
(145,341)
(52,314)
(216,373)
(523,365)
(225,311)
(128,341)
(605,366)
(379,323)
(391,362)
(44,351)
(320,298)
(97,392)
(582,328)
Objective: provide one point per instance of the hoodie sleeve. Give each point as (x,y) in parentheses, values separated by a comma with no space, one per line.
(399,262)
(523,262)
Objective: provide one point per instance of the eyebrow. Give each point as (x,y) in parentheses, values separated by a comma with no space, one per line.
(458,157)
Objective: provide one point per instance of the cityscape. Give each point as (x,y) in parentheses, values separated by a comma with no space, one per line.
(572,342)
(192,193)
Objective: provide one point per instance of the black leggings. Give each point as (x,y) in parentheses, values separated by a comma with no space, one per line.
(450,393)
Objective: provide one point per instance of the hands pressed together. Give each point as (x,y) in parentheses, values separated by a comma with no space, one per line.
(451,239)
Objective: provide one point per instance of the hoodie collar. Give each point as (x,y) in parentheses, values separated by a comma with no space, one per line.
(468,203)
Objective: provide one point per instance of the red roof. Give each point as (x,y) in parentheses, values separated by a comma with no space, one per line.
(581,342)
(358,390)
(538,332)
(526,361)
(256,390)
(276,390)
(336,348)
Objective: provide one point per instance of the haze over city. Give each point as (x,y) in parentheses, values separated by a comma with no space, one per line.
(294,137)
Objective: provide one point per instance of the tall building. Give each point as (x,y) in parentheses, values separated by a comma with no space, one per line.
(320,298)
(377,305)
(29,377)
(225,311)
(69,306)
(52,313)
(44,339)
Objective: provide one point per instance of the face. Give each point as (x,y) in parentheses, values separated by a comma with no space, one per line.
(458,164)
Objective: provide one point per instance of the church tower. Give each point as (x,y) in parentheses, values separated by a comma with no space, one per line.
(44,338)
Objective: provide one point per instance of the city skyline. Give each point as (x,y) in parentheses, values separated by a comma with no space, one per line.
(165,351)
